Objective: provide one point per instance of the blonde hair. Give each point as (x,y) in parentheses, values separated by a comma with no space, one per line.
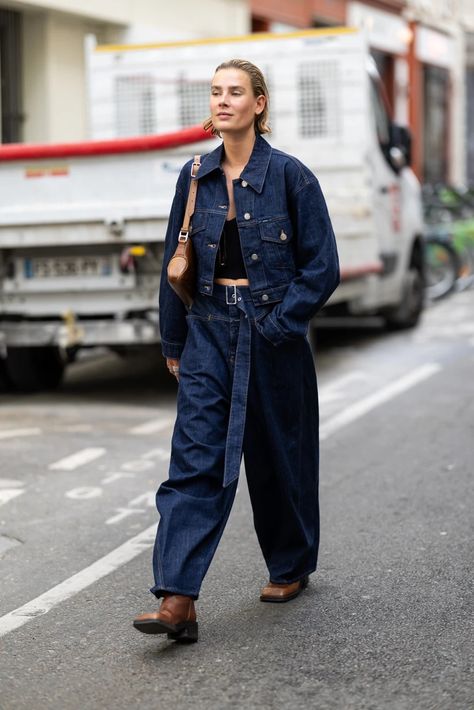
(259,88)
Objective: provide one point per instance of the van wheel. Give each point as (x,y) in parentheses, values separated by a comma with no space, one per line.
(407,313)
(34,369)
(4,381)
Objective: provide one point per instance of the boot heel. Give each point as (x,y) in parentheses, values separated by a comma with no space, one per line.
(187,635)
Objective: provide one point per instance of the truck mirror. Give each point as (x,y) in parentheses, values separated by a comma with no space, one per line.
(400,138)
(397,157)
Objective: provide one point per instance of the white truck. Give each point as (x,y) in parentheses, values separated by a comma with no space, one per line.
(82,225)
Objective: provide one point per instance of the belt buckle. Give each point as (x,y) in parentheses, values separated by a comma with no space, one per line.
(233,295)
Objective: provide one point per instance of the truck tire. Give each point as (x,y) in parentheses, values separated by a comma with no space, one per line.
(407,313)
(34,369)
(4,381)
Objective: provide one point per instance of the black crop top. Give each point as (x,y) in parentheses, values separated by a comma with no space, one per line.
(229,260)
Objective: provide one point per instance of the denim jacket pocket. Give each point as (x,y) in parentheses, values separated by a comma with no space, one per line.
(261,315)
(199,222)
(277,235)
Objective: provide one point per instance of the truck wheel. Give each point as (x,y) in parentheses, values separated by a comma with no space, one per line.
(4,381)
(408,311)
(34,369)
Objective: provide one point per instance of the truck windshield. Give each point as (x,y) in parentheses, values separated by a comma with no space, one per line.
(382,120)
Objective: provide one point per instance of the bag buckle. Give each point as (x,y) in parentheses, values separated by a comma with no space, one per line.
(231,290)
(183,237)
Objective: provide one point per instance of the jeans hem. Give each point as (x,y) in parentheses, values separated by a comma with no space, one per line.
(290,580)
(159,592)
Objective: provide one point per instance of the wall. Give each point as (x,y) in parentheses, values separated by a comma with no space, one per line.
(53,84)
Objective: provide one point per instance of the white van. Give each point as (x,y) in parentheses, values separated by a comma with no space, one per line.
(328,108)
(82,225)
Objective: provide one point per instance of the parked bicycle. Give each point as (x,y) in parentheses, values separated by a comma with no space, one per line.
(449,241)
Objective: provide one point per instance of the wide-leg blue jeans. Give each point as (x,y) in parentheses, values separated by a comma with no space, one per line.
(239,394)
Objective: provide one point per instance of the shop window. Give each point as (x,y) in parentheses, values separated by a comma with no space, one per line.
(11,114)
(318,100)
(435,134)
(135,110)
(470,123)
(260,24)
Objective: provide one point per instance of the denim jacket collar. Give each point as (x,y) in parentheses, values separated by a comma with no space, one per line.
(254,172)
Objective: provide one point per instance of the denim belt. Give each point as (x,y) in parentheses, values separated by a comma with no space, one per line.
(230,294)
(237,297)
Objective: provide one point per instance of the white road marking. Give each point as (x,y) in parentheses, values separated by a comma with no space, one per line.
(13,433)
(67,589)
(10,483)
(85,493)
(335,390)
(111,477)
(7,494)
(137,465)
(148,499)
(152,426)
(136,545)
(365,405)
(158,453)
(80,458)
(121,514)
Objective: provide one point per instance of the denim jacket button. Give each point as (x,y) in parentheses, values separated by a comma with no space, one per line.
(283,236)
(244,183)
(254,257)
(247,215)
(265,297)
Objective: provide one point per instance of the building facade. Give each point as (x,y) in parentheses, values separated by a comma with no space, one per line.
(467,15)
(424,52)
(42,53)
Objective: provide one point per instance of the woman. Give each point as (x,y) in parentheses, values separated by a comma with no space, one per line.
(266,263)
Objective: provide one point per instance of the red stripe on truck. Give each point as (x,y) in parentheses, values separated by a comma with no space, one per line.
(33,151)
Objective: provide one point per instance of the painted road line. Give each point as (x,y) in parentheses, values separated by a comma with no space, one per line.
(157,453)
(13,433)
(80,458)
(363,406)
(10,483)
(152,426)
(7,494)
(67,589)
(335,390)
(136,545)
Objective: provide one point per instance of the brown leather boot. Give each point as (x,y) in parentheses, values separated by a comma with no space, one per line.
(275,592)
(176,617)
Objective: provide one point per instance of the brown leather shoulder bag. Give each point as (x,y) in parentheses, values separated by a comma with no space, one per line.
(182,265)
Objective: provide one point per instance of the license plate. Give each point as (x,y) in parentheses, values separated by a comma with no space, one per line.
(67,267)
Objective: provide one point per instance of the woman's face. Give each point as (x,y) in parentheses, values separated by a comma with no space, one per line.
(233,104)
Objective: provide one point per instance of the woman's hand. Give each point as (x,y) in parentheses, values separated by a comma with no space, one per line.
(173,366)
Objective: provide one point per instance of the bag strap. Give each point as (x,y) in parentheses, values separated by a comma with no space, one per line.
(193,187)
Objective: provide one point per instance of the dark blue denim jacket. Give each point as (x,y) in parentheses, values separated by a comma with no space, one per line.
(287,241)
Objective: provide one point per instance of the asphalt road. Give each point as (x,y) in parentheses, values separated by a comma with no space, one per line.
(386,622)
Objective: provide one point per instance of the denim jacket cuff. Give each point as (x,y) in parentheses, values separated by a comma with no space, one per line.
(172,350)
(271,331)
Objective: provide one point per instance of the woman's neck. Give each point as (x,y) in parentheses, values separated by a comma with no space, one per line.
(238,149)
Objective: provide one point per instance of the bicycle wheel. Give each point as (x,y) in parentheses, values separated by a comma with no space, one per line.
(441,268)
